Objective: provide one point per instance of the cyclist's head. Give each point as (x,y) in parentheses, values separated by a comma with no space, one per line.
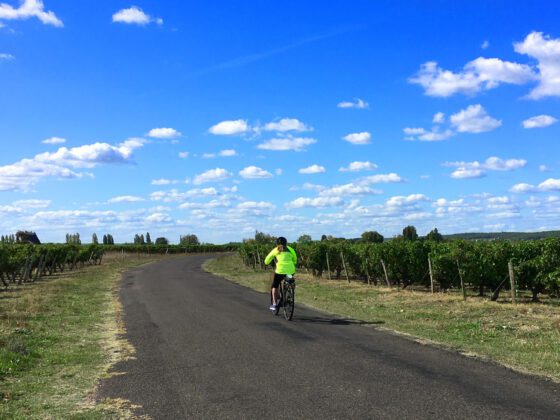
(282,241)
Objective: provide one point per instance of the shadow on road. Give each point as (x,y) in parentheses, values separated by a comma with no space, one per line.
(334,321)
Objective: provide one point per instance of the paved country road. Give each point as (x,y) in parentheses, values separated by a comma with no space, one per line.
(210,349)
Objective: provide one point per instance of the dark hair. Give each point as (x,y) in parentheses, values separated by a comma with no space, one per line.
(282,241)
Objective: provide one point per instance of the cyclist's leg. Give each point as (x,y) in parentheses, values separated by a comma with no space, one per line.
(274,294)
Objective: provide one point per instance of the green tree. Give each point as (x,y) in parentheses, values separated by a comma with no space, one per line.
(409,233)
(373,237)
(435,236)
(190,239)
(94,239)
(162,241)
(263,238)
(148,238)
(304,239)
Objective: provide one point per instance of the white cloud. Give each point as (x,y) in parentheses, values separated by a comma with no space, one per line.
(474,119)
(126,199)
(183,155)
(348,190)
(6,57)
(381,179)
(475,169)
(230,127)
(357,103)
(54,140)
(254,172)
(135,15)
(279,171)
(213,175)
(544,168)
(551,184)
(485,45)
(163,181)
(29,9)
(313,169)
(467,173)
(24,174)
(438,118)
(287,124)
(202,192)
(315,202)
(401,200)
(358,138)
(228,153)
(164,133)
(255,205)
(522,188)
(539,121)
(297,144)
(477,75)
(359,166)
(547,52)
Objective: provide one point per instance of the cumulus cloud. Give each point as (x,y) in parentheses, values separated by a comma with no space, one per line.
(297,144)
(357,103)
(547,52)
(477,75)
(213,175)
(163,181)
(390,178)
(54,140)
(348,190)
(287,124)
(126,199)
(6,57)
(539,121)
(164,133)
(474,119)
(222,153)
(319,202)
(26,173)
(229,128)
(135,16)
(421,134)
(183,155)
(254,172)
(477,169)
(313,169)
(401,200)
(438,118)
(29,9)
(551,184)
(359,166)
(358,138)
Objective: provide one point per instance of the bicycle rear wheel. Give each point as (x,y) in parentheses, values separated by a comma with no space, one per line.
(289,293)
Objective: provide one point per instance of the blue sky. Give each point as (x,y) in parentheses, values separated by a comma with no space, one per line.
(220,119)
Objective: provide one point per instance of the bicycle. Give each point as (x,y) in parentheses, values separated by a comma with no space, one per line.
(287,290)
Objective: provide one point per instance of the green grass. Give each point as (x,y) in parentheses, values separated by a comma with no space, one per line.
(524,337)
(58,336)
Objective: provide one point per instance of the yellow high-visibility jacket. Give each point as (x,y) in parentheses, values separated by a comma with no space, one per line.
(285,261)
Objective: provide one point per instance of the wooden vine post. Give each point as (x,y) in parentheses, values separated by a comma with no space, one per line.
(385,271)
(328,265)
(431,274)
(512,281)
(462,282)
(367,273)
(344,265)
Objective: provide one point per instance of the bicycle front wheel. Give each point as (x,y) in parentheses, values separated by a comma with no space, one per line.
(289,302)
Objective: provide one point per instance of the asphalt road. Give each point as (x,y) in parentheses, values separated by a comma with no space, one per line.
(210,349)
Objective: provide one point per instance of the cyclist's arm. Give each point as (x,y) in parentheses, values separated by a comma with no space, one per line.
(271,256)
(293,254)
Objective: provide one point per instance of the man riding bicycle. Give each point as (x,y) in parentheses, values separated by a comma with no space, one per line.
(286,259)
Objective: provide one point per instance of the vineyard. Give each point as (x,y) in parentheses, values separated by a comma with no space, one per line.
(24,263)
(483,266)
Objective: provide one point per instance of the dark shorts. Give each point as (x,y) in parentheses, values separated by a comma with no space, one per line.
(277,279)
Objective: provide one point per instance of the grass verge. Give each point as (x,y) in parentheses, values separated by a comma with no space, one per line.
(523,337)
(57,338)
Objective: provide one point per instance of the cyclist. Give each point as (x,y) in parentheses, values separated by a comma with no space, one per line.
(286,259)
